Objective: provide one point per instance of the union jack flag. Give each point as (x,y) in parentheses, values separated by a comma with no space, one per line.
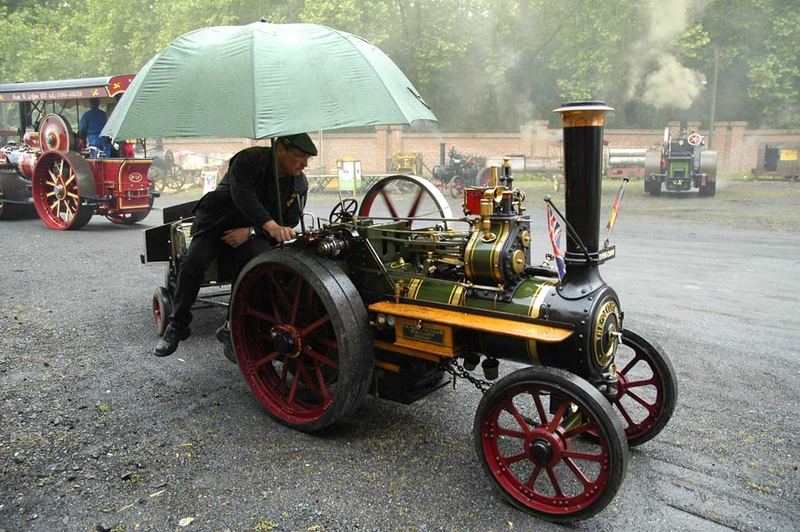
(555,230)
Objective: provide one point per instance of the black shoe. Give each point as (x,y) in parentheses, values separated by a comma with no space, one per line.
(224,336)
(169,342)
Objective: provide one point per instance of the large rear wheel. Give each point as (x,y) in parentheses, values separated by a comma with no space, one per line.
(529,434)
(61,181)
(302,338)
(652,167)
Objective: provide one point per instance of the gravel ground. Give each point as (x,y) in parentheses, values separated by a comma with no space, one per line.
(96,434)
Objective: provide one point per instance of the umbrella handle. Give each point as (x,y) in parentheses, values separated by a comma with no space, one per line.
(274,144)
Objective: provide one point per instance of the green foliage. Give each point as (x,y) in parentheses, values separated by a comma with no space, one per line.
(481,64)
(775,76)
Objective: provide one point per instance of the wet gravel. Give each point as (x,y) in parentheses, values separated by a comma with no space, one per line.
(96,434)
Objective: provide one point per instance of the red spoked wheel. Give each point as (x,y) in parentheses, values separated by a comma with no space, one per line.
(647,388)
(55,134)
(302,338)
(401,197)
(60,182)
(528,434)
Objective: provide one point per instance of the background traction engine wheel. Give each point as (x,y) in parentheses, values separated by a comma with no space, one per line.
(302,338)
(60,181)
(530,432)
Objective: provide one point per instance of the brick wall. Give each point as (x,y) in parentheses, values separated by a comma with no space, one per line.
(753,143)
(737,147)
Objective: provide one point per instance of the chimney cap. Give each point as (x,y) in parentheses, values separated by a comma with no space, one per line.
(584,106)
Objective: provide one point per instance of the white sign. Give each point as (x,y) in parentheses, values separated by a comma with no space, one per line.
(209,180)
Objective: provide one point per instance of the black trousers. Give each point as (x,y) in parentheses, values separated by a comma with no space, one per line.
(203,249)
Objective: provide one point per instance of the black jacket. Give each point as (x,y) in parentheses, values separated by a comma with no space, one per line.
(246,196)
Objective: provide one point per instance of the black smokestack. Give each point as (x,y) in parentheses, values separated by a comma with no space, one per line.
(583,153)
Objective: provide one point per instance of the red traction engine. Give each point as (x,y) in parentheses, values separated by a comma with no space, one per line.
(390,302)
(68,188)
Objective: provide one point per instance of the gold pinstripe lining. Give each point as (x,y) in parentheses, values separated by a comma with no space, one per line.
(469,252)
(533,311)
(456,295)
(413,288)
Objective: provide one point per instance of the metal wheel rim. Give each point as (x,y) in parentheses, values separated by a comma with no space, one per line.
(529,491)
(58,195)
(629,389)
(295,387)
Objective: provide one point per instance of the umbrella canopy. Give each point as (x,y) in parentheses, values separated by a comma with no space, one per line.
(264,80)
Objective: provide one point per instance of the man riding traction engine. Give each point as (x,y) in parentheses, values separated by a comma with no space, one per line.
(386,303)
(681,164)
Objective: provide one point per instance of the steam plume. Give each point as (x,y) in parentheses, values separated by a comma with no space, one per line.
(658,78)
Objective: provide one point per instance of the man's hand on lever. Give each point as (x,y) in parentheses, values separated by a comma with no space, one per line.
(278,232)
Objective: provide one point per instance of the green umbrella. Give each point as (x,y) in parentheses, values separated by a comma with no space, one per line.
(264,80)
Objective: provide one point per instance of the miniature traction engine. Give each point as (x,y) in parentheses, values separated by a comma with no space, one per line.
(375,301)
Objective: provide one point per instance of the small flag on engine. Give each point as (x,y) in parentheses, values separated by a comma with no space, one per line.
(615,209)
(555,230)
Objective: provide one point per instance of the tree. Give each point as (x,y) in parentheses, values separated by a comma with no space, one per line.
(482,65)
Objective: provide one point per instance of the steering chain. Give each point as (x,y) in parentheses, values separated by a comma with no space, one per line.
(454,368)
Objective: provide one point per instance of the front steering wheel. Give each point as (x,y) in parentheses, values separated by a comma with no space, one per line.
(343,211)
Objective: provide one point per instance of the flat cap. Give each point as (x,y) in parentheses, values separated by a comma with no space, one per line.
(301,141)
